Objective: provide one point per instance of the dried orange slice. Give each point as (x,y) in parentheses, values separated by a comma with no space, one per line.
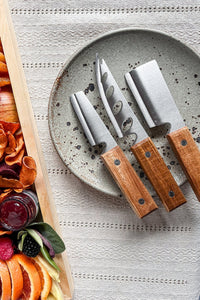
(3,232)
(1,47)
(10,183)
(3,68)
(28,171)
(3,142)
(31,279)
(45,278)
(2,57)
(16,156)
(4,81)
(16,278)
(5,281)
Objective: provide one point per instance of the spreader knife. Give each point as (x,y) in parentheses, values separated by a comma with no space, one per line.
(113,157)
(125,122)
(158,106)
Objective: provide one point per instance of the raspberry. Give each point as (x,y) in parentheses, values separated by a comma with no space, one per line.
(30,247)
(6,248)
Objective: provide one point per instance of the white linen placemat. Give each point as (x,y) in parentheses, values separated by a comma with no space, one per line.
(113,255)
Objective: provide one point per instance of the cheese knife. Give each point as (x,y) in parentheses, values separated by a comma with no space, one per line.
(125,122)
(158,106)
(114,158)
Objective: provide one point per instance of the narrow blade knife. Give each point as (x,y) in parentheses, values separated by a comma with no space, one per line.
(158,106)
(114,158)
(125,122)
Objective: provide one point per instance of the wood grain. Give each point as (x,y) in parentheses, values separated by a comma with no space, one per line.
(188,155)
(32,142)
(159,175)
(128,181)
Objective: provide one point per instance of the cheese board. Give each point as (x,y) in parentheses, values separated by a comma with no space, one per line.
(33,149)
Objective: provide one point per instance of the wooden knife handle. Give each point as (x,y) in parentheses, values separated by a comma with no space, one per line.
(128,181)
(188,155)
(158,174)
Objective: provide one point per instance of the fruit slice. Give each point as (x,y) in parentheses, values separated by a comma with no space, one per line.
(5,281)
(3,232)
(56,291)
(16,278)
(4,81)
(2,57)
(8,110)
(51,297)
(3,68)
(1,47)
(31,279)
(52,272)
(45,278)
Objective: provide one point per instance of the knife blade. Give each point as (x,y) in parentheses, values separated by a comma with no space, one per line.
(159,107)
(125,123)
(112,155)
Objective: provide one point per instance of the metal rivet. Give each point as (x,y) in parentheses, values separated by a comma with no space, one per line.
(171,194)
(148,154)
(183,142)
(117,162)
(141,201)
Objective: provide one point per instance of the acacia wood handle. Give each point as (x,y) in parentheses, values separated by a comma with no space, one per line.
(129,182)
(158,174)
(188,155)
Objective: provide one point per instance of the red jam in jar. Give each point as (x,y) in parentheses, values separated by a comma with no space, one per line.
(18,210)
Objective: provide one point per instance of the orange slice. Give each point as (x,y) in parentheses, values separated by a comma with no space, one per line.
(16,278)
(45,278)
(5,281)
(31,279)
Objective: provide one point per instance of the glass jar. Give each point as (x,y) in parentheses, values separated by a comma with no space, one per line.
(18,210)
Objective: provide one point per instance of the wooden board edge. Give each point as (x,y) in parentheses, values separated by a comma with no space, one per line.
(32,142)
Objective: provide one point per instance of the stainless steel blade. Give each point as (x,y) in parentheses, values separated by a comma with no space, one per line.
(94,128)
(104,99)
(120,113)
(153,96)
(139,100)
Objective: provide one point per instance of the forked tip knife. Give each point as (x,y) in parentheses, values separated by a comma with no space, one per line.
(125,122)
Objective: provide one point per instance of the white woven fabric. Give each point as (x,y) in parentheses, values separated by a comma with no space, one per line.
(113,255)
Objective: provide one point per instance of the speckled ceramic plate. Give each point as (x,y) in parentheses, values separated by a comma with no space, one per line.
(122,50)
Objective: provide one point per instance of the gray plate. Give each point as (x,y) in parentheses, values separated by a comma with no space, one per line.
(122,50)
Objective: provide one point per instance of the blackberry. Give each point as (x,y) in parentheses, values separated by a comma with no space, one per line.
(30,247)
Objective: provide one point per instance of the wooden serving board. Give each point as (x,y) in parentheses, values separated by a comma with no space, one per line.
(32,142)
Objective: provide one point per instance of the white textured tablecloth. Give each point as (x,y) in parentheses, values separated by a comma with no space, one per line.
(113,255)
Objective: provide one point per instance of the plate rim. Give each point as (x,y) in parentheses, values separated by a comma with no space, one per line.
(73,57)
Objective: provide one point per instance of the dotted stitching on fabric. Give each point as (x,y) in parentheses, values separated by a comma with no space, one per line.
(125,226)
(137,9)
(58,171)
(41,117)
(39,65)
(129,278)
